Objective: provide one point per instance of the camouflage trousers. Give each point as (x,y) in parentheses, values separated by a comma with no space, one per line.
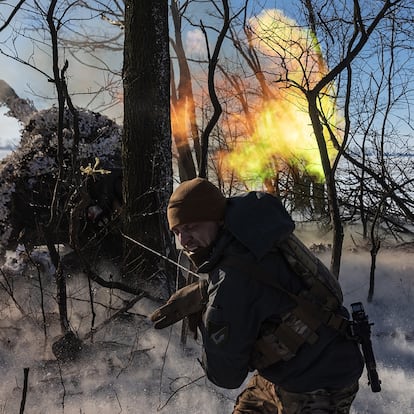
(263,397)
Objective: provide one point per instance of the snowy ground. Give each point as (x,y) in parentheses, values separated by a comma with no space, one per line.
(128,367)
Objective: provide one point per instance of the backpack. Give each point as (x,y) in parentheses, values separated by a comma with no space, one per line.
(318,303)
(323,286)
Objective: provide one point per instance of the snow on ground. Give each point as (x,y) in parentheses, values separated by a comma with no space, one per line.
(128,367)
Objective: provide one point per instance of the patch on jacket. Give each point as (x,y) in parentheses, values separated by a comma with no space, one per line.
(218,332)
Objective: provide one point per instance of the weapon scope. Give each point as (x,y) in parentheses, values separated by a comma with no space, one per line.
(361,330)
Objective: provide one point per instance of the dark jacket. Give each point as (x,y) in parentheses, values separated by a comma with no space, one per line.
(239,304)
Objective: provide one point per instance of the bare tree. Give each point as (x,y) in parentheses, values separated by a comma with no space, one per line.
(147,181)
(183,115)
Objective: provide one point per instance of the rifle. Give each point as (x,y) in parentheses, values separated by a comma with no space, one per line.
(361,331)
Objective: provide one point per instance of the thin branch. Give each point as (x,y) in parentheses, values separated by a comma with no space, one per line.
(353,52)
(25,386)
(23,62)
(159,408)
(10,18)
(124,309)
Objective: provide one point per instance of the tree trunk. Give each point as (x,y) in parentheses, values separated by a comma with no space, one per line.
(146,152)
(338,233)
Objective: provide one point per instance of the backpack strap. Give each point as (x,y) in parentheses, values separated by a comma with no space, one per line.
(309,311)
(322,286)
(281,340)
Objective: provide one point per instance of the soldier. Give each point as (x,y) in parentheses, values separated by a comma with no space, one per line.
(261,308)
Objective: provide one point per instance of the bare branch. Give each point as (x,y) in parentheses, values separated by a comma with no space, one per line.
(13,13)
(353,52)
(213,96)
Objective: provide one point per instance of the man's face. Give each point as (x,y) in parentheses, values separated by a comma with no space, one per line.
(194,235)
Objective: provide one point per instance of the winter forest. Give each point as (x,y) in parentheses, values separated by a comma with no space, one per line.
(105,106)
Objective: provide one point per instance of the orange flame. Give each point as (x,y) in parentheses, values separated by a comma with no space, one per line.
(180,121)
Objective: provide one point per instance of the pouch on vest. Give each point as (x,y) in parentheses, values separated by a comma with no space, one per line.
(317,304)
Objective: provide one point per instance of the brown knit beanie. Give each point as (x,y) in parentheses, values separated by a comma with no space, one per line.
(194,201)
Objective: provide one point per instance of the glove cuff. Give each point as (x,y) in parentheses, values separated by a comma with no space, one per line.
(202,285)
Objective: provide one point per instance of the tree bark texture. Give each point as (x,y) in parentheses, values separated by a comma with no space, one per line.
(146,153)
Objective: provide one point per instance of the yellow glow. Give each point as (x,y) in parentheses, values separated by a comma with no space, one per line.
(282,132)
(179,121)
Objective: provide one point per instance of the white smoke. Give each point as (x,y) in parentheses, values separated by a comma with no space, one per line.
(195,43)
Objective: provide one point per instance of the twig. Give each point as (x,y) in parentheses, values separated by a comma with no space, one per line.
(42,299)
(131,354)
(8,288)
(163,364)
(111,284)
(119,403)
(91,301)
(159,408)
(63,386)
(127,306)
(24,394)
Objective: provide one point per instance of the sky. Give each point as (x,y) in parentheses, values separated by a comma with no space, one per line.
(32,82)
(130,368)
(9,131)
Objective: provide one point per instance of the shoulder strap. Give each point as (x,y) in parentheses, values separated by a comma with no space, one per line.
(318,303)
(322,285)
(310,312)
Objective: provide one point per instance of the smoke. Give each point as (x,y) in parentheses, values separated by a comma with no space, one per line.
(195,43)
(9,131)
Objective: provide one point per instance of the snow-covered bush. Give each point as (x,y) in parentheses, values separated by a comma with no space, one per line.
(28,175)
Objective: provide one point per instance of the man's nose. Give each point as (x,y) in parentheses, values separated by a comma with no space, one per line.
(184,238)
